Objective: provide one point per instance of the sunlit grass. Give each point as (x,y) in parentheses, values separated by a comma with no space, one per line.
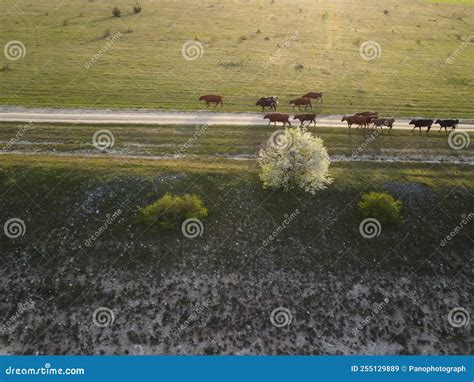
(250,49)
(352,175)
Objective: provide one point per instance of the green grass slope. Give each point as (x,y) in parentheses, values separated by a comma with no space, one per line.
(250,49)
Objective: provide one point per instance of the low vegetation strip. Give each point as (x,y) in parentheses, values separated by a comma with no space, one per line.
(469,161)
(222,143)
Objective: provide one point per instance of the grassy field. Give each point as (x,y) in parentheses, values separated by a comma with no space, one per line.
(275,47)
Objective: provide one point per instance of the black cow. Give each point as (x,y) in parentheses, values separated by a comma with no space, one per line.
(452,123)
(379,122)
(421,123)
(270,102)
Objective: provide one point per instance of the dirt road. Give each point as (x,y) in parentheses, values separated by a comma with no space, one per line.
(154,117)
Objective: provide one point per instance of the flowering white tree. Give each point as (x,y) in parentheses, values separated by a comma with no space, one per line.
(294,158)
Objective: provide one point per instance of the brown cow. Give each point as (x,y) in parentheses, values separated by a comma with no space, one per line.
(360,120)
(278,117)
(369,114)
(301,102)
(314,95)
(217,99)
(311,117)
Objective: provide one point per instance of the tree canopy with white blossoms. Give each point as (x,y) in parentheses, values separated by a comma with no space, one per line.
(294,158)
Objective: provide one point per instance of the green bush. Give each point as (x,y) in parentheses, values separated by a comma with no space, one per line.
(171,211)
(381,206)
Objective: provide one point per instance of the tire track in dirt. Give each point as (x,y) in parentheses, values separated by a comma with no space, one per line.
(118,154)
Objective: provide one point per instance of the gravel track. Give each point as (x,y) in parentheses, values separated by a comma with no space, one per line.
(156,117)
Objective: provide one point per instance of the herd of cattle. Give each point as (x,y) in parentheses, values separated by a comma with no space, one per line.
(365,119)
